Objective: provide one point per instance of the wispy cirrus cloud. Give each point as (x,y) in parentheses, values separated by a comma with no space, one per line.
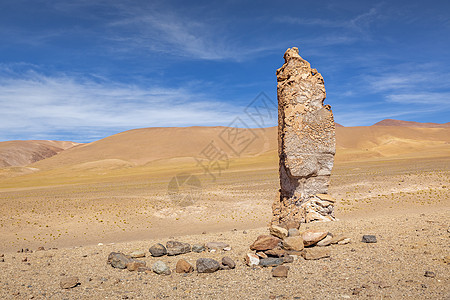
(38,106)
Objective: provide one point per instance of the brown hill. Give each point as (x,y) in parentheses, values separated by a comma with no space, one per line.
(22,153)
(392,122)
(142,146)
(178,145)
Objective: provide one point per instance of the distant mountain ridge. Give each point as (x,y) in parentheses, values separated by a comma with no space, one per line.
(141,146)
(22,153)
(392,122)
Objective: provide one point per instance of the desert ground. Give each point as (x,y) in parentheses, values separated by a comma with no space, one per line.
(114,195)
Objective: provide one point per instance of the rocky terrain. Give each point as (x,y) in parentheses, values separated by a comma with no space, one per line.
(80,213)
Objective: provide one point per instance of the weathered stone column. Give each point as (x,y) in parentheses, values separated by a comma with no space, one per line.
(306,143)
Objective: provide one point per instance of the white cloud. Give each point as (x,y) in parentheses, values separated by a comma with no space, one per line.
(35,105)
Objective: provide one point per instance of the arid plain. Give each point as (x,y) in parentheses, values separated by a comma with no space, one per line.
(391,181)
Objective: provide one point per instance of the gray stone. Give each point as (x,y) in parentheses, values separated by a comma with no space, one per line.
(119,260)
(227,261)
(160,268)
(287,259)
(157,250)
(368,238)
(177,248)
(198,248)
(306,138)
(69,282)
(207,265)
(271,262)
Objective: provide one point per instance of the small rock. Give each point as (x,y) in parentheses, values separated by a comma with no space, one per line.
(184,267)
(251,259)
(217,245)
(430,274)
(227,261)
(176,248)
(271,262)
(198,248)
(137,254)
(135,265)
(344,241)
(326,241)
(207,265)
(294,243)
(280,271)
(160,268)
(287,259)
(277,252)
(291,224)
(69,282)
(144,269)
(293,232)
(25,259)
(265,242)
(337,238)
(227,248)
(2,259)
(315,253)
(262,254)
(368,238)
(118,260)
(41,248)
(157,250)
(311,237)
(278,231)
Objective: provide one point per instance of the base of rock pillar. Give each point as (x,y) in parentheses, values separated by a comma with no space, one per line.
(319,207)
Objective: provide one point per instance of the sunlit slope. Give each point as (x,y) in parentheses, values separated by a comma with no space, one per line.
(358,143)
(22,153)
(160,152)
(142,146)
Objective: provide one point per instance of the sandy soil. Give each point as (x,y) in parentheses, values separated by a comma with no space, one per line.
(393,183)
(405,203)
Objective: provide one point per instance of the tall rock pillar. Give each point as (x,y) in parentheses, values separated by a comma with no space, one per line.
(306,143)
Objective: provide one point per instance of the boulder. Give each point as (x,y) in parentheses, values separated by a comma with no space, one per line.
(311,237)
(184,267)
(207,265)
(265,242)
(294,243)
(157,250)
(177,248)
(160,268)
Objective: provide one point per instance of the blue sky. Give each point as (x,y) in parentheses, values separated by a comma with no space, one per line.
(83,70)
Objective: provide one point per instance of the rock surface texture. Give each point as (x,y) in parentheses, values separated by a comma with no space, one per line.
(306,144)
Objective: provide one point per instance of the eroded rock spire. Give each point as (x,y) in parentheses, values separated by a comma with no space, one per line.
(306,143)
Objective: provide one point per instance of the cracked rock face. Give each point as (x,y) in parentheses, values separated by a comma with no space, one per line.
(306,142)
